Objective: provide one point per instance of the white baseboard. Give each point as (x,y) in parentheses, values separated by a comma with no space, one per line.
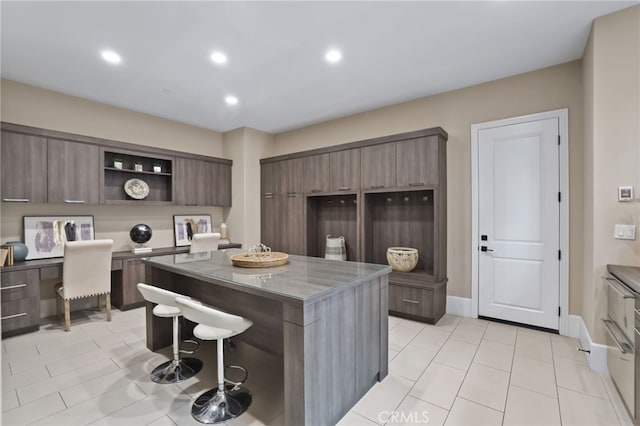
(459,306)
(597,358)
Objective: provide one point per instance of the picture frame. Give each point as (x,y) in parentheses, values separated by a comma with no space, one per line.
(184,226)
(45,236)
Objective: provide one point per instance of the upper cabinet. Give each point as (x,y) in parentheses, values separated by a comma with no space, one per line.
(47,166)
(291,176)
(316,173)
(202,183)
(73,172)
(379,166)
(345,170)
(418,160)
(24,168)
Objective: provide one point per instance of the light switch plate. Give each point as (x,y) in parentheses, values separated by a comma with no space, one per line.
(625,193)
(625,232)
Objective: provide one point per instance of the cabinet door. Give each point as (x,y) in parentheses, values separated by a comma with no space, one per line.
(378,166)
(417,161)
(292,231)
(345,170)
(24,168)
(218,186)
(73,172)
(133,272)
(316,174)
(290,176)
(271,222)
(269,178)
(190,182)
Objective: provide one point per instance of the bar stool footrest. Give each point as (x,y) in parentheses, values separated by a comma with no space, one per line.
(236,367)
(190,351)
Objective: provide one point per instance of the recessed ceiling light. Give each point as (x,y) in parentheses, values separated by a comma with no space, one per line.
(219,57)
(111,56)
(333,56)
(231,100)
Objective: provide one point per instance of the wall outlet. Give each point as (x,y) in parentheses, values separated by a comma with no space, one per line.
(625,232)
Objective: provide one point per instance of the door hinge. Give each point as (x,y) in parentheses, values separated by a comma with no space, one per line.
(558,310)
(559,197)
(558,139)
(559,254)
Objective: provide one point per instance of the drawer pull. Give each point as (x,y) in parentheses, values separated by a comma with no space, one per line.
(624,347)
(24,314)
(416,302)
(416,184)
(377,186)
(344,188)
(292,195)
(16,200)
(12,287)
(315,191)
(620,288)
(268,197)
(268,194)
(75,201)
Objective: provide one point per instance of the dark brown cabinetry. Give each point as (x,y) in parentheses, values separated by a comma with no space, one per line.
(345,170)
(393,194)
(24,168)
(125,294)
(316,174)
(202,183)
(379,166)
(73,172)
(20,301)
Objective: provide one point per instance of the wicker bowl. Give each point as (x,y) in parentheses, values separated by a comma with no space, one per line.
(402,259)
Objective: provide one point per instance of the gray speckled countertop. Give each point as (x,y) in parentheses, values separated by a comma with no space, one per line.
(303,279)
(630,275)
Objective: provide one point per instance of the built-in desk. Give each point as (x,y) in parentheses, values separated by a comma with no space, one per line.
(328,320)
(20,285)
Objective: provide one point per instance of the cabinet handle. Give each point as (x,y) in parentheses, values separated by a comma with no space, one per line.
(620,288)
(10,287)
(344,188)
(268,194)
(416,184)
(292,195)
(377,186)
(24,314)
(16,200)
(316,190)
(74,201)
(417,302)
(624,347)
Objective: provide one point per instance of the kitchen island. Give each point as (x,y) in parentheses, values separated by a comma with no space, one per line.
(328,320)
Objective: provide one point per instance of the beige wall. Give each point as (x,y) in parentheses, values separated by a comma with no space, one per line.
(543,90)
(245,147)
(612,152)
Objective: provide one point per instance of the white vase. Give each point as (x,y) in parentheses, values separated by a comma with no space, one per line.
(336,248)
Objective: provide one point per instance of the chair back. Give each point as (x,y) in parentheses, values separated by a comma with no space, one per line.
(207,315)
(159,295)
(207,241)
(86,268)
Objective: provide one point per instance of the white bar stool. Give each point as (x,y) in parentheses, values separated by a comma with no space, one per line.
(178,369)
(224,402)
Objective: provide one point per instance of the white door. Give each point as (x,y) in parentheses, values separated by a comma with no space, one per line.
(519,223)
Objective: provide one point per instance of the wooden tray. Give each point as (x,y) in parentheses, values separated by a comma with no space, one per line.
(252,261)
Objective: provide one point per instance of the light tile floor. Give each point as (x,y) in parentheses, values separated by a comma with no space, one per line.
(460,372)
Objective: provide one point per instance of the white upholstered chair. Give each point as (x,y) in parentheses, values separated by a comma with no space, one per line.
(86,272)
(207,241)
(223,402)
(179,368)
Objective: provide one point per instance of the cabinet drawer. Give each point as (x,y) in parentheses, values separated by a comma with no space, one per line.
(19,285)
(411,300)
(22,313)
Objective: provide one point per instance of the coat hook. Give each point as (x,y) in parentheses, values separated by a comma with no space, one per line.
(406,199)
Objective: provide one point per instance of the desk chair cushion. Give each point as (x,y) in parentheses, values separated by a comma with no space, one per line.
(212,323)
(165,299)
(86,269)
(207,241)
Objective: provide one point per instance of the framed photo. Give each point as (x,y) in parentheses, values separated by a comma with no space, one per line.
(45,236)
(184,226)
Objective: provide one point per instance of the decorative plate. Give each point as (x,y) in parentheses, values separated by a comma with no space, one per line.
(136,188)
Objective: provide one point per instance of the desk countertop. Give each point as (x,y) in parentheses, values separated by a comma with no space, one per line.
(303,279)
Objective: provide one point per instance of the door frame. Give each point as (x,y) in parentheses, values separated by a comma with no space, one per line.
(563,127)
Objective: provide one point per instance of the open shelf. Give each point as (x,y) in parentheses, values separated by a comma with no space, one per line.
(335,215)
(400,219)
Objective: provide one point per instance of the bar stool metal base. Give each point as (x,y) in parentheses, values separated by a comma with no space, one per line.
(215,406)
(176,371)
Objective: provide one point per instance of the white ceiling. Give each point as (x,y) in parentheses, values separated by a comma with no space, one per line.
(392,52)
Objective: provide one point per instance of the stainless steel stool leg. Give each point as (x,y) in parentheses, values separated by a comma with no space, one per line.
(222,403)
(178,369)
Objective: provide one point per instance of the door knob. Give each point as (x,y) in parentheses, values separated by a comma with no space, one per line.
(485,248)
